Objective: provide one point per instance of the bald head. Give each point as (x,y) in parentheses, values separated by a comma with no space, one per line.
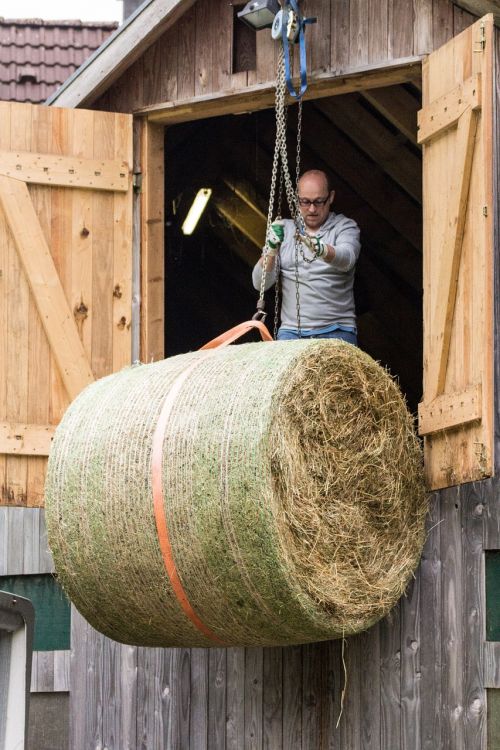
(315,198)
(319,177)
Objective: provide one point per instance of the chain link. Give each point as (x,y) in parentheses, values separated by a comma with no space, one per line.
(280,165)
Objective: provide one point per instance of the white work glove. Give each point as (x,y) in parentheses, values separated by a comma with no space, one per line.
(275,237)
(314,244)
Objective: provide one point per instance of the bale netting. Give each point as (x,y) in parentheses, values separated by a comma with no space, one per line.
(292,497)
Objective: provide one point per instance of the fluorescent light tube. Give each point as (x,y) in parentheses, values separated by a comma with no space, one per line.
(196,210)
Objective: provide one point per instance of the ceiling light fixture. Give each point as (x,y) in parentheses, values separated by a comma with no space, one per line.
(196,210)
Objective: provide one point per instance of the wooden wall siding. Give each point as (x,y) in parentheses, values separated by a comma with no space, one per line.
(416,680)
(24,551)
(193,58)
(89,235)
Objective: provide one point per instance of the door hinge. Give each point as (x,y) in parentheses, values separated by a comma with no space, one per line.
(137,182)
(480,43)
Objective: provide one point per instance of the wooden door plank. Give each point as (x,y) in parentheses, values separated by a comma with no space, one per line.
(18,307)
(443,113)
(39,349)
(102,254)
(65,171)
(45,285)
(152,344)
(450,410)
(26,439)
(451,253)
(122,255)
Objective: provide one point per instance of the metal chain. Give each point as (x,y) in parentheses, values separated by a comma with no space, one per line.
(280,159)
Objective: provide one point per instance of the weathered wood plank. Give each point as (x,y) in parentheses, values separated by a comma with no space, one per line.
(473,513)
(431,633)
(400,32)
(292,697)
(350,723)
(311,696)
(163,698)
(31,538)
(45,560)
(411,667)
(198,722)
(61,671)
(253,698)
(111,697)
(147,669)
(80,700)
(369,646)
(390,679)
(452,620)
(217,698)
(235,698)
(491,657)
(15,540)
(261,95)
(272,731)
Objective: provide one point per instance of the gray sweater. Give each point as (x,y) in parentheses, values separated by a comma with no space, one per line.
(325,289)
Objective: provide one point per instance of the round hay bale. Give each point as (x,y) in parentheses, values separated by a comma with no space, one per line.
(292,494)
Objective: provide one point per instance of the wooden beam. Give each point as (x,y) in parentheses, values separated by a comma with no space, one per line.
(118,53)
(451,253)
(398,106)
(248,219)
(388,150)
(152,344)
(65,171)
(26,439)
(403,258)
(450,410)
(364,177)
(45,285)
(261,96)
(445,111)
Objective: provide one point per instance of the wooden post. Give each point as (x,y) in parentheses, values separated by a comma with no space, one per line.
(152,242)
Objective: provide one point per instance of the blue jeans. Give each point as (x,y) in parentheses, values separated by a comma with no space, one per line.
(351,338)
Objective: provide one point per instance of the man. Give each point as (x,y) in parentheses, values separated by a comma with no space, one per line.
(325,285)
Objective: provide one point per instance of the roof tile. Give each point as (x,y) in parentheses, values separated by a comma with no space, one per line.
(49,51)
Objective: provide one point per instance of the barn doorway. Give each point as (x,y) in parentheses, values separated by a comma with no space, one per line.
(367,142)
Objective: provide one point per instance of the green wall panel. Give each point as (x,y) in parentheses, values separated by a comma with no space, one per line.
(493,596)
(52,609)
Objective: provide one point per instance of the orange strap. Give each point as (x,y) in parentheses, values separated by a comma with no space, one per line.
(234,333)
(157,462)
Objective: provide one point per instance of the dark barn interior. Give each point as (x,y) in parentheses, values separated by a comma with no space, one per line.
(367,142)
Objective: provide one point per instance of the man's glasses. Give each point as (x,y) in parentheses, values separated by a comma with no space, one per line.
(316,202)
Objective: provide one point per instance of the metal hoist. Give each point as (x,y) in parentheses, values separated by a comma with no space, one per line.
(288,28)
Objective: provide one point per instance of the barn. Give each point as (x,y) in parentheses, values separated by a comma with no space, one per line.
(402,110)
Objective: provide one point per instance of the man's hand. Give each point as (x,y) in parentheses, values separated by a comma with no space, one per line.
(275,237)
(315,245)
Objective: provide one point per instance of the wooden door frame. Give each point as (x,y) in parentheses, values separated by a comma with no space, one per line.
(149,155)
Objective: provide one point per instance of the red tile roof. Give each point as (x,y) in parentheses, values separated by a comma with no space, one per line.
(37,56)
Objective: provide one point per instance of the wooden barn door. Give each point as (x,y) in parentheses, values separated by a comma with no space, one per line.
(455,129)
(65,274)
